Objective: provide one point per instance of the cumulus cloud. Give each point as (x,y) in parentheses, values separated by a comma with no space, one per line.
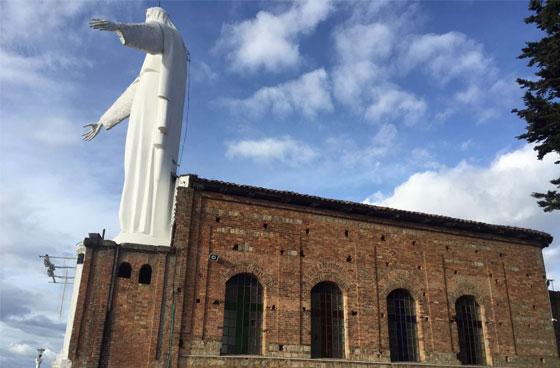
(360,50)
(363,46)
(359,42)
(351,80)
(453,57)
(270,41)
(498,193)
(308,95)
(285,149)
(392,104)
(378,46)
(374,49)
(446,56)
(363,76)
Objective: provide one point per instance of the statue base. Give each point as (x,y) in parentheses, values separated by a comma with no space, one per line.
(135,238)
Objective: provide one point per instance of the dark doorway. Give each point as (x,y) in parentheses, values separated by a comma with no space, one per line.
(469,326)
(401,315)
(243,316)
(327,321)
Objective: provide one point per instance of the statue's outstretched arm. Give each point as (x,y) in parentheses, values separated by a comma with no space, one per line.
(119,110)
(147,37)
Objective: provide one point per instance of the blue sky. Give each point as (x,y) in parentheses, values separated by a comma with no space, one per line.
(402,104)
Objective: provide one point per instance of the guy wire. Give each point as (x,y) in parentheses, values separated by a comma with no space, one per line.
(187,107)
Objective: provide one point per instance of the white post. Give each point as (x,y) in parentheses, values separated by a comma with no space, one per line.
(39,358)
(62,360)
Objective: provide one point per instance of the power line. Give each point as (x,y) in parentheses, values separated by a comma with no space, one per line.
(186,119)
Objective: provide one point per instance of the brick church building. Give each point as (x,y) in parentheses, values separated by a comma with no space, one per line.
(267,278)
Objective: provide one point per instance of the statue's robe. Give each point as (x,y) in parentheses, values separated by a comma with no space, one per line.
(154,103)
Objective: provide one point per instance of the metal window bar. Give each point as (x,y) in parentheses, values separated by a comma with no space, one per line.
(243,310)
(469,326)
(327,321)
(403,334)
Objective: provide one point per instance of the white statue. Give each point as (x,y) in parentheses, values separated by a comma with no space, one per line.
(153,104)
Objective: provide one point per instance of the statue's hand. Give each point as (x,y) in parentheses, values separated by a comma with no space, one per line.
(103,25)
(93,130)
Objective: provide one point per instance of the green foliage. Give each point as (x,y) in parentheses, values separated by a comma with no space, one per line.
(542,95)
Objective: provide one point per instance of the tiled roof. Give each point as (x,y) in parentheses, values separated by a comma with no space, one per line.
(537,237)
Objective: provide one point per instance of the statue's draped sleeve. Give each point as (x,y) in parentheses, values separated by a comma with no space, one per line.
(147,37)
(120,109)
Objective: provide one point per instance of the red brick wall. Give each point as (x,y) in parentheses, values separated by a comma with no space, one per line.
(128,335)
(555,306)
(506,277)
(176,317)
(136,311)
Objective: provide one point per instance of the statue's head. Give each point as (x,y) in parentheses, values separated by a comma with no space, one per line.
(157,14)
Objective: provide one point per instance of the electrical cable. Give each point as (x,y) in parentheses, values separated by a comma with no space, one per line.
(186,118)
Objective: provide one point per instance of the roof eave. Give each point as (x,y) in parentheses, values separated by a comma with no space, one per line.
(535,237)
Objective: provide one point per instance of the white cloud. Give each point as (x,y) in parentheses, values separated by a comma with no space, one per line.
(445,56)
(378,46)
(453,56)
(57,132)
(343,152)
(498,193)
(423,158)
(392,104)
(364,75)
(285,149)
(352,79)
(363,46)
(383,140)
(270,41)
(36,71)
(31,20)
(361,42)
(201,72)
(309,95)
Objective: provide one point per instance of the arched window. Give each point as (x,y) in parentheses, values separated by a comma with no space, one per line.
(124,270)
(145,275)
(469,326)
(327,321)
(403,335)
(243,311)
